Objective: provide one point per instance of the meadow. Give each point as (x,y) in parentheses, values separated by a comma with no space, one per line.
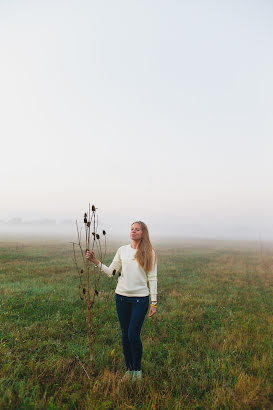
(208,347)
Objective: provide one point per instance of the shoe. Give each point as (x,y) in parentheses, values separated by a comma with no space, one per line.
(127,376)
(137,375)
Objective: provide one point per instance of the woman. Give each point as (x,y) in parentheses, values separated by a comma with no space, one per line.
(138,264)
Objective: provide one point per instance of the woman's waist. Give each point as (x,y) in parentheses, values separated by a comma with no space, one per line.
(131,299)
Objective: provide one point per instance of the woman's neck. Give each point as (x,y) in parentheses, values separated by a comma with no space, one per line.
(134,244)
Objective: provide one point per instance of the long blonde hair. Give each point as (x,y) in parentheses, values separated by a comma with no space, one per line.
(144,254)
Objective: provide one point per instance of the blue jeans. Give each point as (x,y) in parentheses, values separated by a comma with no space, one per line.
(131,313)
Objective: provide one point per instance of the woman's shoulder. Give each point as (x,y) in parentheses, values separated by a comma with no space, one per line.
(125,251)
(124,248)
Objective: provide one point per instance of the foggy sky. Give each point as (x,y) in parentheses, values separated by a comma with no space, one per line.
(152,110)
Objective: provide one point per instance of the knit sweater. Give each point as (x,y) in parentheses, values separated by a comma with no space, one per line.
(133,279)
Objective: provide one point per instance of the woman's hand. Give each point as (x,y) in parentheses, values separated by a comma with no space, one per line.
(92,257)
(152,311)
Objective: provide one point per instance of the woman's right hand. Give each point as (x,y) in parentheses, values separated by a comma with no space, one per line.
(92,257)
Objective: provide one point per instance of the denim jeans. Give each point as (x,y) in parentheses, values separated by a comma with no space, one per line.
(131,313)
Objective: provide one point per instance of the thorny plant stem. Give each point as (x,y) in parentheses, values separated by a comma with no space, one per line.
(104,247)
(78,270)
(76,263)
(79,238)
(83,368)
(86,291)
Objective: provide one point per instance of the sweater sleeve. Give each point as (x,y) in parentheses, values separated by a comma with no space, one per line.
(115,265)
(152,279)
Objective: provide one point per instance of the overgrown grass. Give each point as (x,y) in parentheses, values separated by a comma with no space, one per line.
(208,347)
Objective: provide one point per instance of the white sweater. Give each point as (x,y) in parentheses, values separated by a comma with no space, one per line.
(133,278)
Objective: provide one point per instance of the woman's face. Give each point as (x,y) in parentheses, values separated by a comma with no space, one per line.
(136,232)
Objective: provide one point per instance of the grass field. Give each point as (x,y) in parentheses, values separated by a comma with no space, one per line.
(208,347)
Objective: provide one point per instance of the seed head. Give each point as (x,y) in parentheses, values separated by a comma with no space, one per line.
(81,270)
(85,220)
(114,272)
(83,291)
(94,234)
(103,232)
(93,208)
(85,215)
(119,274)
(88,224)
(96,292)
(97,236)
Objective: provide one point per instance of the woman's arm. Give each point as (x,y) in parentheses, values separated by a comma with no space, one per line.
(152,279)
(115,265)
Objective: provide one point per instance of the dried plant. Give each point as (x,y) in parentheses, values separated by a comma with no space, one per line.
(89,275)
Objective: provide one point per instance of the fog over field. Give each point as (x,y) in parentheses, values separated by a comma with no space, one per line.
(67,229)
(156,111)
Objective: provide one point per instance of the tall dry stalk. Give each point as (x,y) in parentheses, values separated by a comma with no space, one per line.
(89,275)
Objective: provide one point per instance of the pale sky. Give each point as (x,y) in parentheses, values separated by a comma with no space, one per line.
(153,110)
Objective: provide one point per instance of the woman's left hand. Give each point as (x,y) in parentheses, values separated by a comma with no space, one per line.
(152,311)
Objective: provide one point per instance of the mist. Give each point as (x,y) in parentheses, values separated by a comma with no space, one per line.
(119,228)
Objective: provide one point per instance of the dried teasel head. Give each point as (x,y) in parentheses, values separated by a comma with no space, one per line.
(83,291)
(97,236)
(85,215)
(114,272)
(119,274)
(81,270)
(103,232)
(94,234)
(93,208)
(96,292)
(88,224)
(85,220)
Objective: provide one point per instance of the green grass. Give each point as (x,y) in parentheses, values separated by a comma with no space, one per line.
(208,347)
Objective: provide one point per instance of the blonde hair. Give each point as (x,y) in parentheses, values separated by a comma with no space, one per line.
(144,253)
